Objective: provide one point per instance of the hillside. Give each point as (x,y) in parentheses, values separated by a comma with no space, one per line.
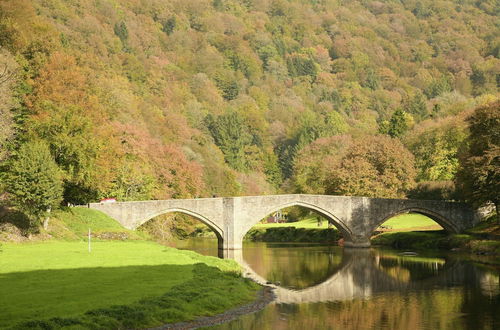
(142,99)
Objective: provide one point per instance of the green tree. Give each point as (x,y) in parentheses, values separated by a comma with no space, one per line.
(435,145)
(33,181)
(227,84)
(302,65)
(121,31)
(231,135)
(374,166)
(479,173)
(169,25)
(417,106)
(397,125)
(272,169)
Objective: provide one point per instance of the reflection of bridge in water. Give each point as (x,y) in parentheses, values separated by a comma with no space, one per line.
(361,276)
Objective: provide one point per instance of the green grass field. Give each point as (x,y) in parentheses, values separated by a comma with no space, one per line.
(74,223)
(56,283)
(411,221)
(402,222)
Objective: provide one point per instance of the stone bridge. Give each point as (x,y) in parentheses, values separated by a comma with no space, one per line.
(231,217)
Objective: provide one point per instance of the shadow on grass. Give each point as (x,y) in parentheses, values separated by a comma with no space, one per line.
(121,297)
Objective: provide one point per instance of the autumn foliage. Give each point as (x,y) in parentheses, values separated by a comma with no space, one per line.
(170,99)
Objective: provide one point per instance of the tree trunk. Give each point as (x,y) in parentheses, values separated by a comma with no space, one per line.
(498,214)
(46,220)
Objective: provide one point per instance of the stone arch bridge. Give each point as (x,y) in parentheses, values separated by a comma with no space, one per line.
(231,217)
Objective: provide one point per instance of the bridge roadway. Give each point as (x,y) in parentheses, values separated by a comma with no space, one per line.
(231,217)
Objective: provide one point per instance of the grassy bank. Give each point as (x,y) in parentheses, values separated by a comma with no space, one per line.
(117,285)
(483,239)
(308,230)
(67,224)
(49,279)
(292,234)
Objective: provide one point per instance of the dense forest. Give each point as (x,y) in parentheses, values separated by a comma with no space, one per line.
(154,99)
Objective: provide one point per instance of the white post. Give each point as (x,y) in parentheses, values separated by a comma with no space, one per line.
(90,249)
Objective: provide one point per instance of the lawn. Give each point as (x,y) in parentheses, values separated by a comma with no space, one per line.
(62,281)
(309,223)
(402,222)
(411,221)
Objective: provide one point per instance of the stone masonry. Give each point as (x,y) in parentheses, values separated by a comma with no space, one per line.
(231,217)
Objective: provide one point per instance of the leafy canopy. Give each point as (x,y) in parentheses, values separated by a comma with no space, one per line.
(33,180)
(479,174)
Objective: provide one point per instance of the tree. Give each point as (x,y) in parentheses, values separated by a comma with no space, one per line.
(8,77)
(302,65)
(33,181)
(169,25)
(374,166)
(417,106)
(479,173)
(314,163)
(231,135)
(398,124)
(121,31)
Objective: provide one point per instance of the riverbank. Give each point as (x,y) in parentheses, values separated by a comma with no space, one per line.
(50,279)
(117,285)
(292,234)
(264,297)
(483,239)
(309,230)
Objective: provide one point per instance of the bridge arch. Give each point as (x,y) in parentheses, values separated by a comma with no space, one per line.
(213,226)
(338,223)
(444,222)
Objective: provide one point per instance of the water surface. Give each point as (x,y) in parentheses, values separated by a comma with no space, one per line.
(325,287)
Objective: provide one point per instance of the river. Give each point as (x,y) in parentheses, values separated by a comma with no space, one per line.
(328,287)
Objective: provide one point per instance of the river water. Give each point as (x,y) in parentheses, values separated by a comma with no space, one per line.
(328,287)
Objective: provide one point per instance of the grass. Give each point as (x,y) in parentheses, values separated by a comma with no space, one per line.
(308,223)
(484,239)
(119,284)
(307,230)
(410,221)
(74,223)
(407,221)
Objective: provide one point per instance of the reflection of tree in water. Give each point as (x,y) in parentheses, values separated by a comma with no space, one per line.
(406,269)
(293,267)
(442,308)
(439,293)
(304,267)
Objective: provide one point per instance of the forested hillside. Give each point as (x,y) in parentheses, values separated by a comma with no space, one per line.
(151,99)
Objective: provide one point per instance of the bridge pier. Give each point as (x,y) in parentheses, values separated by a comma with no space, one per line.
(365,243)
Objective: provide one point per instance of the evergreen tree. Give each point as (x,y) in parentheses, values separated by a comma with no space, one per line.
(121,31)
(169,25)
(33,181)
(231,135)
(417,106)
(397,124)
